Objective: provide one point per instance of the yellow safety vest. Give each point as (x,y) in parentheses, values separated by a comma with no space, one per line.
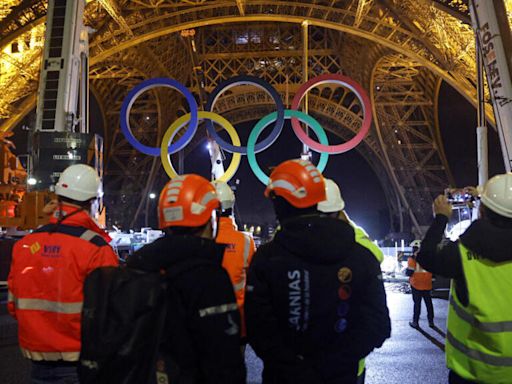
(479,337)
(363,239)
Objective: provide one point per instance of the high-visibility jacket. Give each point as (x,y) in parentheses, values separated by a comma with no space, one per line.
(479,337)
(237,256)
(363,239)
(421,279)
(45,283)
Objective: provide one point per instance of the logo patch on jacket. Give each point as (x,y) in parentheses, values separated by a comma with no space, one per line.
(51,251)
(345,275)
(34,248)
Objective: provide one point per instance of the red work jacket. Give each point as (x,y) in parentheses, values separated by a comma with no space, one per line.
(237,257)
(45,283)
(421,279)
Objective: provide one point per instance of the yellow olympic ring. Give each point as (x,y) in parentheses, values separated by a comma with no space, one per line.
(180,123)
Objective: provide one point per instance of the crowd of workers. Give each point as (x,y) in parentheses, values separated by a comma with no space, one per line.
(311,302)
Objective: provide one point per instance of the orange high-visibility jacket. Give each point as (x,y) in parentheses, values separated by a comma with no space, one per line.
(45,283)
(237,256)
(420,279)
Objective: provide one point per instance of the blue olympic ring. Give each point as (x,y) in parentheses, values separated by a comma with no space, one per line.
(262,84)
(136,92)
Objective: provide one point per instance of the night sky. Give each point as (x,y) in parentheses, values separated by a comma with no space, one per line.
(364,198)
(458,129)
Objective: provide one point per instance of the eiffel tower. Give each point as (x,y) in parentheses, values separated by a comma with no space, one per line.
(400,51)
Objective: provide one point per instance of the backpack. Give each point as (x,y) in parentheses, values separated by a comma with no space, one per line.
(123,317)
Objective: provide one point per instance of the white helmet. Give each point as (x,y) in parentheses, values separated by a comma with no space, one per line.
(78,182)
(333,202)
(225,194)
(497,194)
(415,243)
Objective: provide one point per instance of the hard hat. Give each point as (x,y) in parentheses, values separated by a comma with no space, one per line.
(79,182)
(187,201)
(333,202)
(415,243)
(225,194)
(299,182)
(497,194)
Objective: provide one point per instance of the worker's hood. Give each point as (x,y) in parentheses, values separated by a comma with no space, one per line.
(488,241)
(317,239)
(171,249)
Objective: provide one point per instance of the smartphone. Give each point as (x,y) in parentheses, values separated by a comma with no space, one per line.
(457,195)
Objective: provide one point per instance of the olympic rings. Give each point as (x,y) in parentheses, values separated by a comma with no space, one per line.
(143,87)
(354,87)
(296,116)
(180,123)
(288,114)
(241,80)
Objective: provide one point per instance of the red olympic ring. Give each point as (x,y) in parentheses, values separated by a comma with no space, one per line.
(361,95)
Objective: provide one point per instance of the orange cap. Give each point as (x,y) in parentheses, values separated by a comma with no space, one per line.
(297,181)
(187,201)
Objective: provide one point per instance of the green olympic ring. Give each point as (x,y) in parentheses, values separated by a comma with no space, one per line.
(270,118)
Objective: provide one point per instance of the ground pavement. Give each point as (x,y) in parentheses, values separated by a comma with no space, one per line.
(409,357)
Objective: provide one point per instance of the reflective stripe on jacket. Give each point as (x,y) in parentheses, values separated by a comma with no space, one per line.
(420,279)
(45,286)
(237,258)
(479,337)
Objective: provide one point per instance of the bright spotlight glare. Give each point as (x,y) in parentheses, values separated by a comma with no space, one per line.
(31,181)
(152,195)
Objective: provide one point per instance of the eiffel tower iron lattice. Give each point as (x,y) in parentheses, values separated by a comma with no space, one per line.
(399,51)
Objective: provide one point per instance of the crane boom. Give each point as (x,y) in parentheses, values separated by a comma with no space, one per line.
(489,19)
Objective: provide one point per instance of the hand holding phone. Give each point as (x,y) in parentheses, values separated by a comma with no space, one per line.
(442,206)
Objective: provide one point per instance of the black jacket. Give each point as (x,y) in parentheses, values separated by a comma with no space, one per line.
(482,238)
(202,334)
(315,303)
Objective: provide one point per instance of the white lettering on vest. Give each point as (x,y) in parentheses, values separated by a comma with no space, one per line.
(294,299)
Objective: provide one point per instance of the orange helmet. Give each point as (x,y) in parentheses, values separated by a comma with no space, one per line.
(187,201)
(299,182)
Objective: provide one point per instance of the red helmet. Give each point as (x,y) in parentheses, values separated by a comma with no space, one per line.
(297,181)
(187,201)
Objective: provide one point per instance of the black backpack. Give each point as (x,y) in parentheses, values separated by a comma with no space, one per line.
(123,318)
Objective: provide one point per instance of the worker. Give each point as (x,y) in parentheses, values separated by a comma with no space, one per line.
(203,335)
(334,206)
(421,287)
(315,302)
(479,335)
(47,274)
(239,248)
